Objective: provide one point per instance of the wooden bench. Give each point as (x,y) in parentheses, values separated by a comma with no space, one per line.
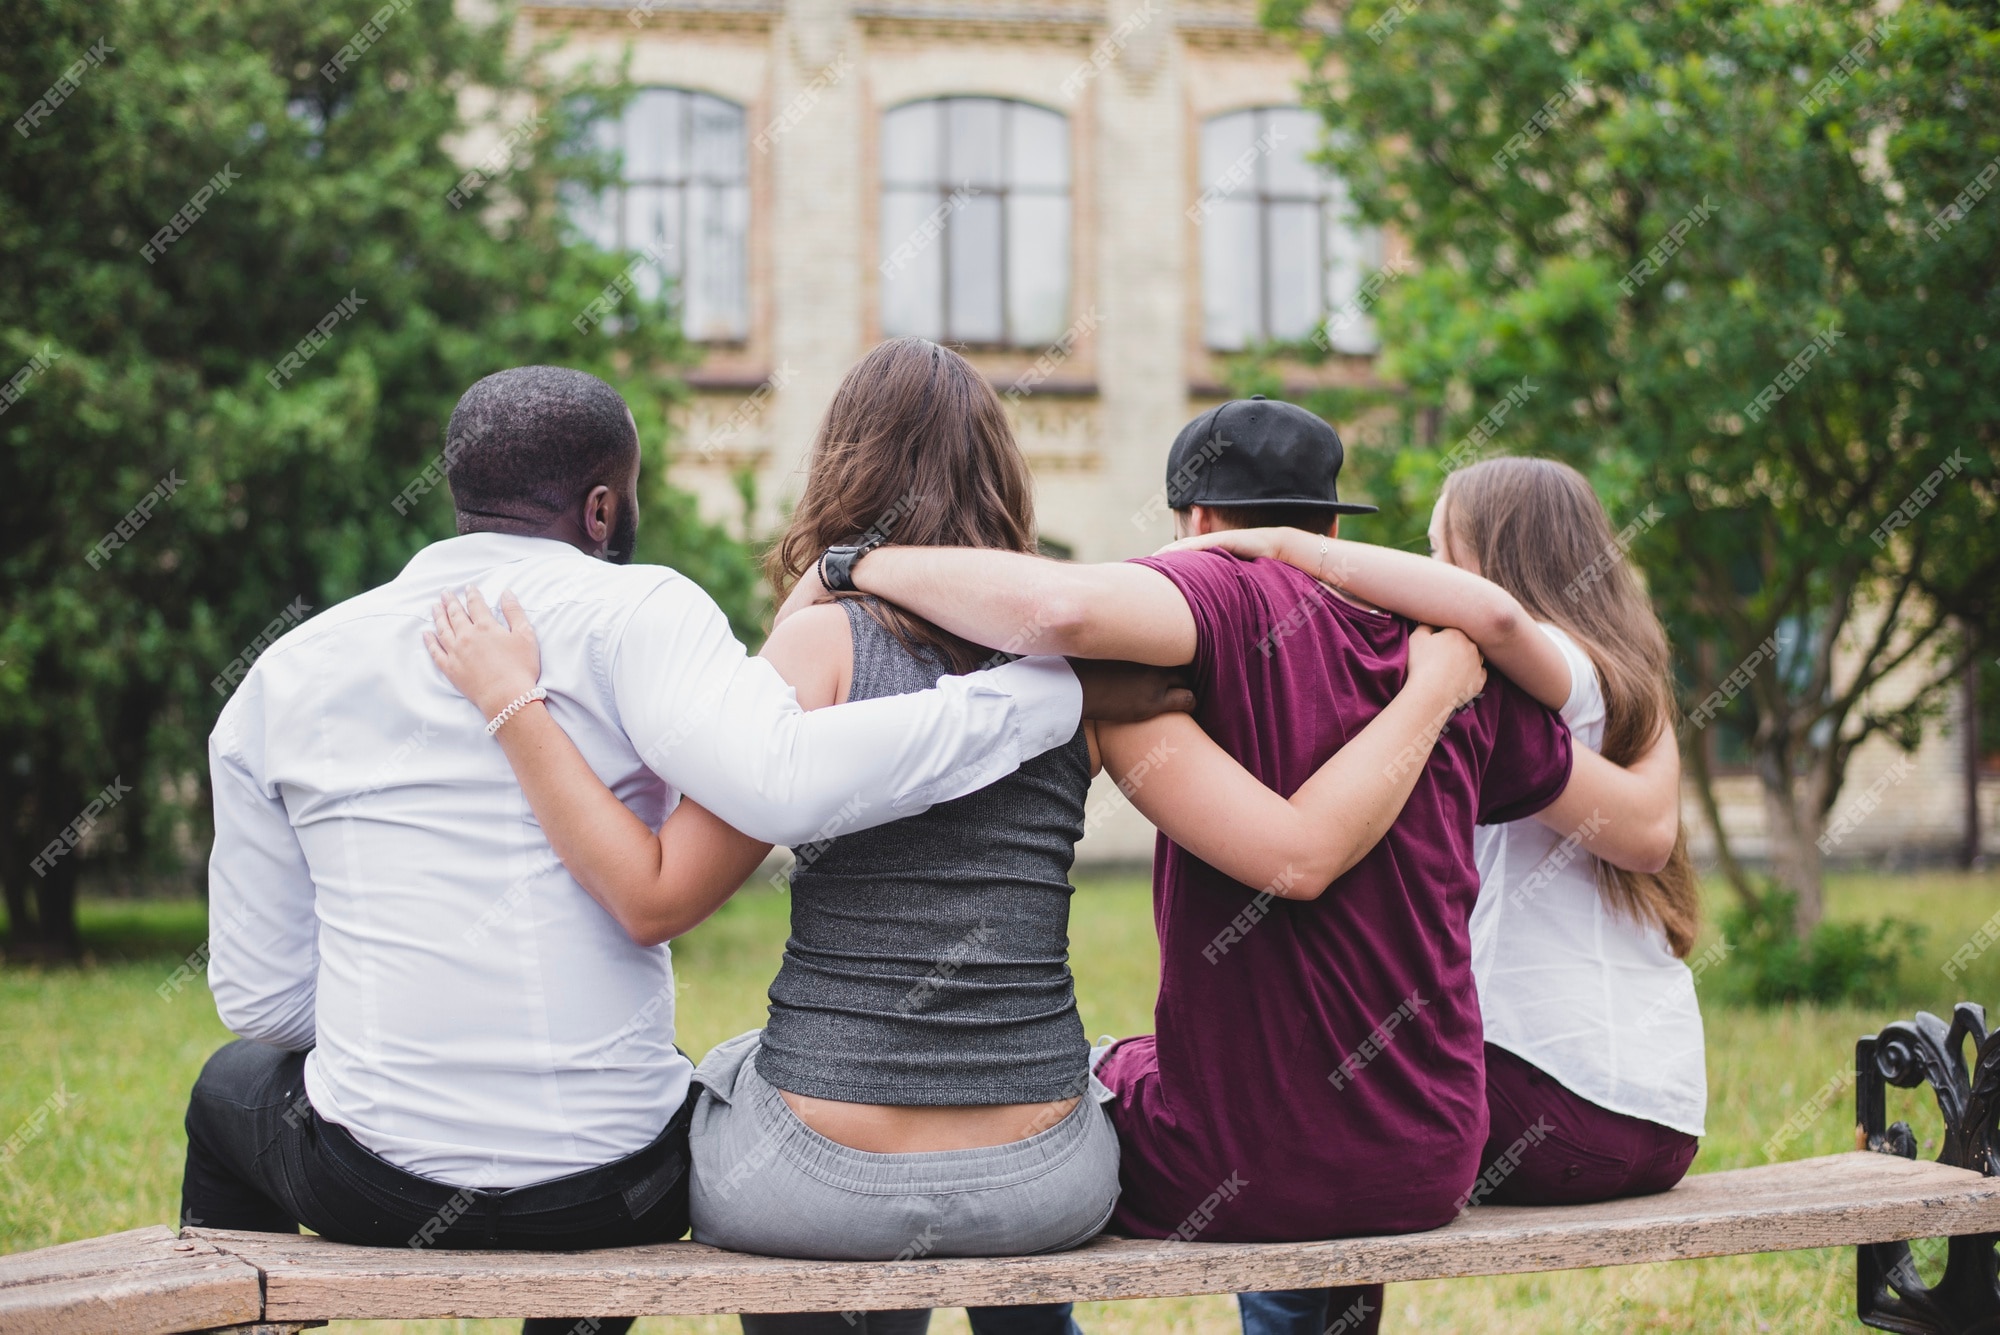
(151,1281)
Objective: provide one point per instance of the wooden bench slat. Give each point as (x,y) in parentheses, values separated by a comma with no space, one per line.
(1840,1200)
(143,1282)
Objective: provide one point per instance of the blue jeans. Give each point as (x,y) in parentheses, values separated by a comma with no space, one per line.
(1349,1311)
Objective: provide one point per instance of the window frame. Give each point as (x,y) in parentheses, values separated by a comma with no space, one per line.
(681,189)
(941,189)
(1264,199)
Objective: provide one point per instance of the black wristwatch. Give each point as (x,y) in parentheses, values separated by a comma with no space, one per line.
(836,564)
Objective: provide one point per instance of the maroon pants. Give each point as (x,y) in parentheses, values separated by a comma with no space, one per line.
(1548,1146)
(1545,1146)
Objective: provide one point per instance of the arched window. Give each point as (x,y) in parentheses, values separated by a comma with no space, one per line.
(1280,248)
(685,170)
(975,222)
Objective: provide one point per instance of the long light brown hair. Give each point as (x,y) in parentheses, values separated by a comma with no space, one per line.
(1537,530)
(915,446)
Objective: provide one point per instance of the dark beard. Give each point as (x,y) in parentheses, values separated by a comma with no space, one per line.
(624,536)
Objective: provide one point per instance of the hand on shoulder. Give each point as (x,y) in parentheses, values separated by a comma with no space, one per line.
(492,662)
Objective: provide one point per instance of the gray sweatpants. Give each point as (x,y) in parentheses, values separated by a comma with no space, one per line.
(765,1182)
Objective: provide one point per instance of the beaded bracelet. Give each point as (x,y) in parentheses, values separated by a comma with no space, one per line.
(493,724)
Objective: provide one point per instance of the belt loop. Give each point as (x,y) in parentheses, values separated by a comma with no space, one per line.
(492,1216)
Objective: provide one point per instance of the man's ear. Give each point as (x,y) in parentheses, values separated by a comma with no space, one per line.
(600,513)
(1334,532)
(1201,520)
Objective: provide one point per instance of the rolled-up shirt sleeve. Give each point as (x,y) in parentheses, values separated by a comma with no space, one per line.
(263,934)
(725,729)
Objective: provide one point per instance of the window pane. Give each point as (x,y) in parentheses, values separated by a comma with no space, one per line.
(1353,255)
(910,145)
(1037,267)
(701,236)
(1294,270)
(972,249)
(653,215)
(912,268)
(973,142)
(718,140)
(1229,274)
(1000,172)
(594,214)
(604,135)
(1226,153)
(1294,133)
(713,293)
(655,135)
(1038,149)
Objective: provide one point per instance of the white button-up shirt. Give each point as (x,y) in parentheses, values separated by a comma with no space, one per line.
(380,891)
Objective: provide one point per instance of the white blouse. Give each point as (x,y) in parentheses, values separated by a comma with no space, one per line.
(1567,983)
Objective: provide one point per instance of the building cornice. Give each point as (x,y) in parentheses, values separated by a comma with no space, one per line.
(634,16)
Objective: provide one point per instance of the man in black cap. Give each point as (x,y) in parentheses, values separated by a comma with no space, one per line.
(1257,460)
(1317,1069)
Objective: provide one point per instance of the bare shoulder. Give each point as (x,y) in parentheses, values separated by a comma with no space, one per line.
(813,649)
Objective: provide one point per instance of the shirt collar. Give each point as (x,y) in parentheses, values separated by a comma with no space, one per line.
(474,553)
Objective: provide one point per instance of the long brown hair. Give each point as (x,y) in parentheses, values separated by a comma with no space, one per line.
(1538,531)
(915,446)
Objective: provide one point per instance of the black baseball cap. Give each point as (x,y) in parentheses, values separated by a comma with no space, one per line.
(1258,451)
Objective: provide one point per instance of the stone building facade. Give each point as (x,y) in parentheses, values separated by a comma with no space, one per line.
(1096,199)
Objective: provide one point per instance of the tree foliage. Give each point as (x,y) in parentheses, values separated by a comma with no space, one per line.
(164,375)
(1710,240)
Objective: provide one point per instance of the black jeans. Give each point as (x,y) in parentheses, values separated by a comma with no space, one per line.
(260,1159)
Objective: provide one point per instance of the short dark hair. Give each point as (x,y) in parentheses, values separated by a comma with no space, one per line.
(1311,518)
(526,444)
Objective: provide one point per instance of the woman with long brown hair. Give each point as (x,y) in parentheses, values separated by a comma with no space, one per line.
(923,1085)
(1588,1003)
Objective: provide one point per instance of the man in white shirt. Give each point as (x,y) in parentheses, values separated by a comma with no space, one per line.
(445,1040)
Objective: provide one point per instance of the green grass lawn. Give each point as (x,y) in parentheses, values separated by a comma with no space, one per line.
(101,1061)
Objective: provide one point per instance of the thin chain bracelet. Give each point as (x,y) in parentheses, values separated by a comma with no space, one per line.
(520,703)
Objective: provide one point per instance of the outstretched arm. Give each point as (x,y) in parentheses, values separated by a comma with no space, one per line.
(1027,604)
(727,729)
(1628,815)
(656,886)
(1205,801)
(1424,590)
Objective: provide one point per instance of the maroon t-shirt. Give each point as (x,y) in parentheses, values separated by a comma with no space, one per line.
(1318,1069)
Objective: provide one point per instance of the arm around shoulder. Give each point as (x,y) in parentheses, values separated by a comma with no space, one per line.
(1627,815)
(1294,847)
(1031,605)
(728,731)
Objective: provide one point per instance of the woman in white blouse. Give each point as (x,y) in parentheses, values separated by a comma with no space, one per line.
(1595,1081)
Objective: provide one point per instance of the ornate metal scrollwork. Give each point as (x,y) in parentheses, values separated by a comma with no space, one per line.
(1891,1295)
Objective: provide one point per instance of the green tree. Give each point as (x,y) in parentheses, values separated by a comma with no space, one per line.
(1708,241)
(304,150)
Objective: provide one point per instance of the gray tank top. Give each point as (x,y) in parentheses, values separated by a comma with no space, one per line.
(929,957)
